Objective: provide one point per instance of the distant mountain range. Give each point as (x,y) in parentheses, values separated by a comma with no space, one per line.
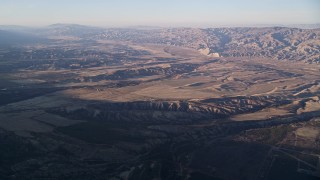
(282,43)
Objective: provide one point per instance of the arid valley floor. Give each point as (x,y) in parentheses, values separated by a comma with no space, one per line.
(90,103)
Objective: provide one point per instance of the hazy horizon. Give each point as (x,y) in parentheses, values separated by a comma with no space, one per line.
(154,13)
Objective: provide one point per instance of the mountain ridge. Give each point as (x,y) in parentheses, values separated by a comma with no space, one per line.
(281,43)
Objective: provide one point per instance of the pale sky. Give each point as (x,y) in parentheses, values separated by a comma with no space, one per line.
(159,12)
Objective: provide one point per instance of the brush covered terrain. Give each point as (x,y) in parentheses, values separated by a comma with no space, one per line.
(80,102)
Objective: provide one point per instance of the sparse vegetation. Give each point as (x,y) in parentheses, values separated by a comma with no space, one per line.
(162,103)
